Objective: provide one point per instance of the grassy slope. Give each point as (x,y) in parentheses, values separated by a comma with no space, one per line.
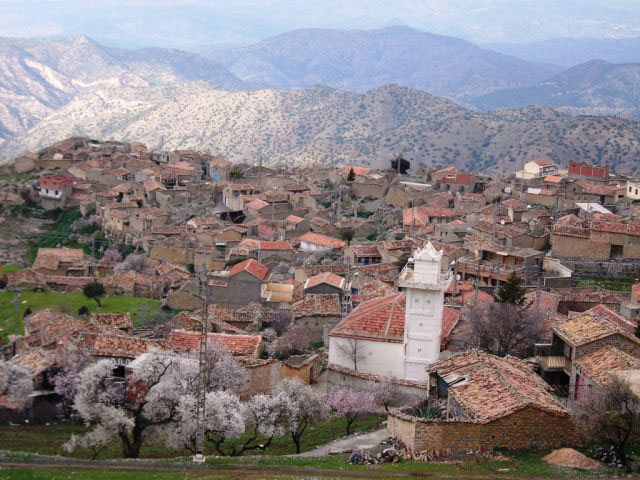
(69,302)
(10,268)
(618,284)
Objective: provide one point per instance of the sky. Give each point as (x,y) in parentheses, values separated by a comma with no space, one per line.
(192,23)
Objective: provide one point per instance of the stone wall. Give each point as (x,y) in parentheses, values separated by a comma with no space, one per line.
(527,428)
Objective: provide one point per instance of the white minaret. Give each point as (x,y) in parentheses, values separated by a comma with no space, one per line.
(425,284)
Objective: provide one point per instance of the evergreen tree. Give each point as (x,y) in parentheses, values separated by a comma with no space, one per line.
(94,290)
(512,291)
(352,175)
(400,164)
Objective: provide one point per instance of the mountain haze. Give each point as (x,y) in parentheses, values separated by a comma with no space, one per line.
(359,60)
(333,126)
(39,76)
(593,88)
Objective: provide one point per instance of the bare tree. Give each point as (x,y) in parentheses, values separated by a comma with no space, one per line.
(352,349)
(505,329)
(296,340)
(610,414)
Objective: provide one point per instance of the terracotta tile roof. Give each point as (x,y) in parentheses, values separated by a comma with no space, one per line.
(251,266)
(47,326)
(257,204)
(322,240)
(365,250)
(611,227)
(317,306)
(242,186)
(116,320)
(294,219)
(543,162)
(615,317)
(380,319)
(553,179)
(36,360)
(325,277)
(515,204)
(450,318)
(238,345)
(597,188)
(571,231)
(373,289)
(49,258)
(319,221)
(585,329)
(600,364)
(476,297)
(419,216)
(117,346)
(488,388)
(311,270)
(275,245)
(359,171)
(546,302)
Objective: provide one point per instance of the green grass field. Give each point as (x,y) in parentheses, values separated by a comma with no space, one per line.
(12,306)
(617,284)
(48,440)
(10,268)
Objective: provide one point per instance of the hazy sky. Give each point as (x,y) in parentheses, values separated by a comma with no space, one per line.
(188,23)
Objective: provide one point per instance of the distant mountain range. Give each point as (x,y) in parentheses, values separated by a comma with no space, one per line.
(359,60)
(592,88)
(568,52)
(265,100)
(333,126)
(39,76)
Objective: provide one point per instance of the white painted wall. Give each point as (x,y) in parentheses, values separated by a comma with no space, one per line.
(379,358)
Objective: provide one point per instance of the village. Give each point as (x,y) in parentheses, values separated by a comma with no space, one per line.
(469,312)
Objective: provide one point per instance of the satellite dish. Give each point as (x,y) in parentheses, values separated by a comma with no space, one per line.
(458,277)
(528,206)
(501,222)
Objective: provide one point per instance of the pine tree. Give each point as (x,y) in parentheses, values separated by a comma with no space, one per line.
(511,291)
(351,176)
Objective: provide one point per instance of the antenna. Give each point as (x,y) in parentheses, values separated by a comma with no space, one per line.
(202,383)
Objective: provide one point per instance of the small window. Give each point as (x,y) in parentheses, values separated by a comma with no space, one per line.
(56,192)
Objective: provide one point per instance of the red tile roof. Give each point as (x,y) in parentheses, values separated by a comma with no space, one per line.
(238,345)
(322,240)
(294,219)
(251,266)
(379,319)
(366,251)
(275,245)
(325,277)
(450,318)
(317,306)
(356,170)
(419,216)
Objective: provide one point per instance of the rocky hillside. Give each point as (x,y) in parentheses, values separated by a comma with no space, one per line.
(334,126)
(38,76)
(359,60)
(592,88)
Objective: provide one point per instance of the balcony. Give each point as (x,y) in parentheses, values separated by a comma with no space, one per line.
(487,268)
(408,279)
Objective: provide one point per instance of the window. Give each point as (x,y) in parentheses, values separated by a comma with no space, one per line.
(56,192)
(616,251)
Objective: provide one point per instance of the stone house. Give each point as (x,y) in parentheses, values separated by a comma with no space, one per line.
(54,190)
(292,226)
(187,297)
(421,216)
(461,182)
(233,195)
(63,262)
(469,202)
(596,240)
(306,368)
(471,419)
(373,186)
(323,226)
(577,338)
(598,173)
(239,285)
(25,163)
(326,283)
(549,197)
(492,264)
(452,232)
(275,251)
(175,250)
(594,192)
(362,254)
(319,313)
(133,284)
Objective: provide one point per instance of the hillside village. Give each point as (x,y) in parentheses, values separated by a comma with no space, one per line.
(341,277)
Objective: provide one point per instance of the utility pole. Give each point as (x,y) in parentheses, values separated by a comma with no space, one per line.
(202,381)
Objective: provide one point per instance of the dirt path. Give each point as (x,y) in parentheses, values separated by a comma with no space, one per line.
(354,442)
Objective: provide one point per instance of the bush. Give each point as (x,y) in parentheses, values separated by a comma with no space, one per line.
(83,311)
